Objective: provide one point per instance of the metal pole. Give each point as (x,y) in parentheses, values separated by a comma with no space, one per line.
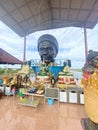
(86,47)
(24,54)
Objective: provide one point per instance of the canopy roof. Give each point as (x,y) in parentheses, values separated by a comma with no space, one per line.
(27,16)
(6,58)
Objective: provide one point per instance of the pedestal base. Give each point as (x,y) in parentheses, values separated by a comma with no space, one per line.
(1,94)
(87,124)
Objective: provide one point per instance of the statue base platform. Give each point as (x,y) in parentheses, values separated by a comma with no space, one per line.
(87,124)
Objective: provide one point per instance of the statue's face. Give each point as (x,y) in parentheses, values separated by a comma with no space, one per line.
(94,61)
(93,58)
(47,51)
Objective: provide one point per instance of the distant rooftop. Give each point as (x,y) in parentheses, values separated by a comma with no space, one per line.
(6,58)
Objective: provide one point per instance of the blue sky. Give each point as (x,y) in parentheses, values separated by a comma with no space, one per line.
(70,41)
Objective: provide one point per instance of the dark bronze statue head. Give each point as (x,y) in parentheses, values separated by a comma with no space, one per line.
(92,62)
(48,48)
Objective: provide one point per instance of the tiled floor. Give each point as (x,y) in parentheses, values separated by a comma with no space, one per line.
(46,117)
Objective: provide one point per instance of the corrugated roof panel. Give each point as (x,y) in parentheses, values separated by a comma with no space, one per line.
(59,13)
(55,13)
(28,0)
(18,3)
(73,14)
(55,3)
(46,15)
(64,13)
(76,4)
(31,21)
(18,29)
(65,4)
(34,7)
(25,11)
(8,20)
(43,4)
(96,6)
(82,15)
(2,11)
(39,19)
(88,4)
(93,16)
(17,15)
(24,25)
(8,5)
